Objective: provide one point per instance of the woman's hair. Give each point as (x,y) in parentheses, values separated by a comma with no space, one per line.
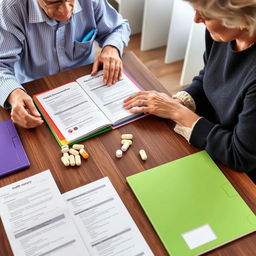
(232,13)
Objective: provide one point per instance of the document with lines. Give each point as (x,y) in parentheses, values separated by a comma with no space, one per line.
(36,219)
(103,221)
(79,109)
(88,221)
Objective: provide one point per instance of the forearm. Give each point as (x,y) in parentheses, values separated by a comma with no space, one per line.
(119,38)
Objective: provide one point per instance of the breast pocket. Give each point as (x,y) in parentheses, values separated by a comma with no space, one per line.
(83,50)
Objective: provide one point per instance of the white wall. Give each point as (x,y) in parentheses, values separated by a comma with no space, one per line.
(193,61)
(133,11)
(180,24)
(156,22)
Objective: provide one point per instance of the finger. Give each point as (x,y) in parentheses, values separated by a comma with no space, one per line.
(139,110)
(117,72)
(130,98)
(32,122)
(120,71)
(21,117)
(95,67)
(140,98)
(105,71)
(112,68)
(31,107)
(136,102)
(137,94)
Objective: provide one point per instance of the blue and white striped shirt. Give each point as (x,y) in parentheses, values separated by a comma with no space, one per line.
(32,45)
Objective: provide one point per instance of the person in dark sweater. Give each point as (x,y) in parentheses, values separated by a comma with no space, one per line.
(217,112)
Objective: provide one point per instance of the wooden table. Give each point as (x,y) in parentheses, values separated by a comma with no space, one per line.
(153,134)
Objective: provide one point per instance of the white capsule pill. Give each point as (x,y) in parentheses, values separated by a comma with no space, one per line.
(78,146)
(65,161)
(66,155)
(126,136)
(72,160)
(73,152)
(78,160)
(65,149)
(126,141)
(143,154)
(125,147)
(119,153)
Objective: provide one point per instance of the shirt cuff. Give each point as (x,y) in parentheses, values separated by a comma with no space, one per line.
(185,131)
(6,88)
(187,100)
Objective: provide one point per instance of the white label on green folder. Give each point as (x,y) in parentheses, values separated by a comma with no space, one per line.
(199,236)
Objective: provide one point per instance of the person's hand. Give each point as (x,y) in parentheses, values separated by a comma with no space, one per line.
(24,112)
(162,105)
(112,65)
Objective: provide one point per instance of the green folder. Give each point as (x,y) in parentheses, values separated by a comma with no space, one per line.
(191,205)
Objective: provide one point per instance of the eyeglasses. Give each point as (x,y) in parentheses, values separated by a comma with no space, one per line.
(55,4)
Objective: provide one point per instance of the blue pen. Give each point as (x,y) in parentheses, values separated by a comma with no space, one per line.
(88,36)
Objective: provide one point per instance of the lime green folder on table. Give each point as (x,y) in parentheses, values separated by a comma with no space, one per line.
(191,205)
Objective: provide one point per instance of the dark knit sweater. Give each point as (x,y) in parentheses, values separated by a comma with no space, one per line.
(225,96)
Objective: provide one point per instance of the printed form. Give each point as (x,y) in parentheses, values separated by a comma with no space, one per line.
(103,221)
(36,220)
(73,111)
(110,98)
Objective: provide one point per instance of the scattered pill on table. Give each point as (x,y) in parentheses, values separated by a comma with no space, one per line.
(65,160)
(143,154)
(66,155)
(119,153)
(72,160)
(126,136)
(126,141)
(73,152)
(83,153)
(78,160)
(125,146)
(64,148)
(78,146)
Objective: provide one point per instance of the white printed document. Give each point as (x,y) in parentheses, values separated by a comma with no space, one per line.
(103,221)
(90,220)
(36,219)
(79,109)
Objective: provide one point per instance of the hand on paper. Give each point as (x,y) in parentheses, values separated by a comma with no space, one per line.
(24,112)
(112,65)
(162,105)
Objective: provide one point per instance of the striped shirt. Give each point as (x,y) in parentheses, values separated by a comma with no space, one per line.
(32,45)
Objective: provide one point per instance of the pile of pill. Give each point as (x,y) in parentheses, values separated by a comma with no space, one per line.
(72,156)
(126,141)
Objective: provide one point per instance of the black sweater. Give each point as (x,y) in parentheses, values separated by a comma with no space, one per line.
(225,96)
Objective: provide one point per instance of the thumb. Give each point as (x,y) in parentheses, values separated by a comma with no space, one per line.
(31,107)
(95,67)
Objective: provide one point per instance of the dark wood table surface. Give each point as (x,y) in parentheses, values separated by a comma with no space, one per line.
(153,134)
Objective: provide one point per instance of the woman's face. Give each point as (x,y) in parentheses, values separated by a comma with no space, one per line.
(218,32)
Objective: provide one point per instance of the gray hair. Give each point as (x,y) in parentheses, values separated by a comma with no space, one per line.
(232,13)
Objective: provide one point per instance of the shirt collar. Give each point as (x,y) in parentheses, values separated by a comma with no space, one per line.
(37,15)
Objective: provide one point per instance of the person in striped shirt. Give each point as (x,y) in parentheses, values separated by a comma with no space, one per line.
(44,37)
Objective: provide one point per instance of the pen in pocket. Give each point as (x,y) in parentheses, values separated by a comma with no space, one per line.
(88,36)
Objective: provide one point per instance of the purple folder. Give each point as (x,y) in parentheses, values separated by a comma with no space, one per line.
(12,154)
